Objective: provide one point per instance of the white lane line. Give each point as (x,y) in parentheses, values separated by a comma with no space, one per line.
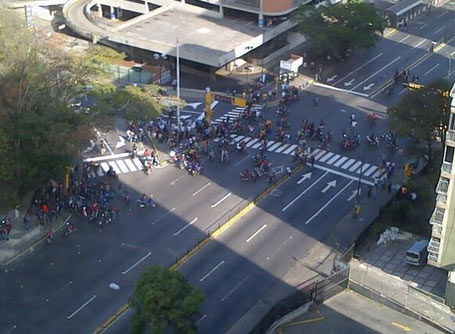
(423,26)
(371,170)
(316,151)
(211,271)
(335,158)
(250,143)
(375,73)
(328,203)
(355,166)
(173,182)
(234,288)
(239,138)
(363,168)
(105,166)
(122,166)
(339,162)
(303,192)
(201,319)
(326,157)
(256,233)
(420,43)
(214,104)
(282,148)
(403,39)
(320,154)
(115,167)
(80,308)
(359,68)
(216,204)
(11,329)
(349,91)
(442,14)
(278,248)
(242,160)
(452,53)
(402,91)
(108,147)
(439,29)
(347,164)
(186,226)
(130,165)
(257,145)
(431,69)
(271,148)
(290,149)
(198,191)
(335,172)
(162,216)
(138,163)
(136,264)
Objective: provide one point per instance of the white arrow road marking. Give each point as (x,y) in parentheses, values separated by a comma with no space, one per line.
(359,68)
(136,264)
(431,69)
(198,191)
(234,288)
(186,226)
(327,204)
(194,105)
(354,194)
(304,177)
(331,184)
(80,308)
(378,71)
(211,271)
(303,192)
(349,83)
(369,86)
(332,78)
(256,233)
(121,142)
(216,204)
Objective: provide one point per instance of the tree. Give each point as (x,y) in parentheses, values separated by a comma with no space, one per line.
(163,299)
(423,113)
(335,29)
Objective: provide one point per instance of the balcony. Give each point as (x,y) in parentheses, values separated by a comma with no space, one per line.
(436,229)
(441,198)
(446,167)
(438,216)
(433,246)
(443,185)
(450,135)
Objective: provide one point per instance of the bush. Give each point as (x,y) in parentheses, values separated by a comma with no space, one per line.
(400,211)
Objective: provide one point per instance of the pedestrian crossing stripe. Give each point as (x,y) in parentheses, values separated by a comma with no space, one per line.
(120,167)
(321,156)
(235,113)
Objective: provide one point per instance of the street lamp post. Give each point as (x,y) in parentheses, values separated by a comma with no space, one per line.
(178,86)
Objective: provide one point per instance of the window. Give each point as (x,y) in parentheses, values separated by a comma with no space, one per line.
(448,157)
(452,122)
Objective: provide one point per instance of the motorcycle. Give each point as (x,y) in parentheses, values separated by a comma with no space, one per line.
(146,201)
(68,230)
(372,140)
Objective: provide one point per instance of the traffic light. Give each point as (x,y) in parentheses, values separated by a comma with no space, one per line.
(408,170)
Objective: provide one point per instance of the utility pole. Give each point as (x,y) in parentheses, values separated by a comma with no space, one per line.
(178,86)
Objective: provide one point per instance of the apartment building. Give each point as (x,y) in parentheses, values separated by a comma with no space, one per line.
(441,248)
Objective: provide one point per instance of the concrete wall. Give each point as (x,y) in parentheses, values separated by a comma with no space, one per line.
(274,6)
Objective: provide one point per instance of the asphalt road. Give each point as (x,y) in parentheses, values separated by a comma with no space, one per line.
(65,287)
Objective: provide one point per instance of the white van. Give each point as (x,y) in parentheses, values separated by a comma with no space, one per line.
(417,254)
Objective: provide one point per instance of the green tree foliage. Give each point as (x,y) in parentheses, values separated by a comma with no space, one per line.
(163,299)
(335,29)
(423,113)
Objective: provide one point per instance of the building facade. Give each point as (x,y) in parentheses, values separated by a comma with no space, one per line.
(441,248)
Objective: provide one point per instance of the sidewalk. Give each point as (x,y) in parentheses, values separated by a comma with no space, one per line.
(23,239)
(395,292)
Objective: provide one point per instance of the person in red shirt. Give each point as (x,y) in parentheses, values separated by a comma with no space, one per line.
(44,208)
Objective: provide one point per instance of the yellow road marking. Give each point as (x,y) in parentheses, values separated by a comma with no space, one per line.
(205,241)
(390,32)
(405,328)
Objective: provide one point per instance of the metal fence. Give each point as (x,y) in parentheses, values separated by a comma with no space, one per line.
(316,291)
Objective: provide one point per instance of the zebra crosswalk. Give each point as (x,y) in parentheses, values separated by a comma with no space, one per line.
(321,156)
(231,116)
(120,166)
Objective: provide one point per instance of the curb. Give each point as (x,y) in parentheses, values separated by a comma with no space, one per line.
(41,239)
(211,236)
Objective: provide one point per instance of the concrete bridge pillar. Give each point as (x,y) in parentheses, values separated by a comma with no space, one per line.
(221,11)
(111,13)
(100,9)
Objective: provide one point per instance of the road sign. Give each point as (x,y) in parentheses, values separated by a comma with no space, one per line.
(210,97)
